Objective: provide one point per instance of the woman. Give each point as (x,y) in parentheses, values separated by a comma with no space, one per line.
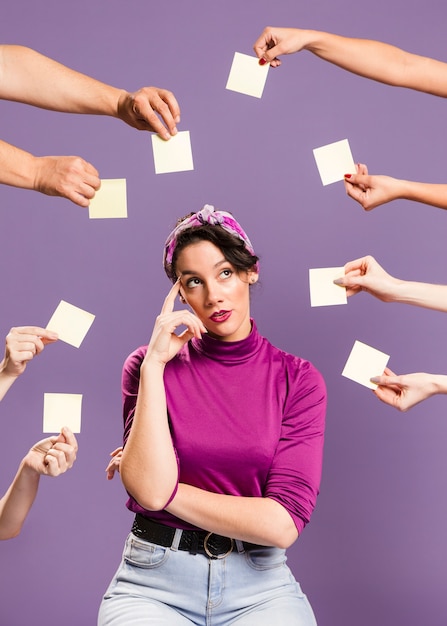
(223,439)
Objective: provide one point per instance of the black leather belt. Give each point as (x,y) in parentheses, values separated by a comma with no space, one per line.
(193,541)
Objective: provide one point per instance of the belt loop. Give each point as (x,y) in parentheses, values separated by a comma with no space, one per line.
(176,540)
(240,546)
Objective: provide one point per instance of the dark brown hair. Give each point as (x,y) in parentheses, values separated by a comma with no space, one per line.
(232,247)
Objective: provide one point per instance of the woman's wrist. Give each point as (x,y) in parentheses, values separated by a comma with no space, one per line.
(314,41)
(152,365)
(439,383)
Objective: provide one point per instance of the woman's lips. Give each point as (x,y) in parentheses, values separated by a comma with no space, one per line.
(220,316)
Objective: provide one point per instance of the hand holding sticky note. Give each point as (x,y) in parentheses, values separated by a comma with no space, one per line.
(70,323)
(247,76)
(365,363)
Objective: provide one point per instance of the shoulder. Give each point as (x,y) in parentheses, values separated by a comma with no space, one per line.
(298,371)
(133,362)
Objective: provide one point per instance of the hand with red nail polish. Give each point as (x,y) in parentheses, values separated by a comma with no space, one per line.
(274,42)
(371,191)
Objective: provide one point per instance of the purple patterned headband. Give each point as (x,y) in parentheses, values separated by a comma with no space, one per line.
(208,215)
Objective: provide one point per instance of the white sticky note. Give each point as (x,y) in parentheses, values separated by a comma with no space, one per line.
(173,155)
(334,161)
(62,409)
(364,363)
(71,323)
(323,292)
(247,76)
(110,200)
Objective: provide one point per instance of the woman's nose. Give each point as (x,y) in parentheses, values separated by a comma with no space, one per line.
(213,294)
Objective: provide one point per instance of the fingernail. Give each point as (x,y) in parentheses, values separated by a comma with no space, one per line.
(348,175)
(338,281)
(53,335)
(177,119)
(375,379)
(262,61)
(167,136)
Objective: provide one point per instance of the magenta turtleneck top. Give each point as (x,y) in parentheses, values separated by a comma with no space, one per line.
(246,418)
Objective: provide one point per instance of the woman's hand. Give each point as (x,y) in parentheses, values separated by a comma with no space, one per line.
(366,274)
(404,392)
(274,42)
(54,455)
(371,191)
(165,343)
(114,463)
(22,345)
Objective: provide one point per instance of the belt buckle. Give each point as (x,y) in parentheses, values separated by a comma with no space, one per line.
(208,550)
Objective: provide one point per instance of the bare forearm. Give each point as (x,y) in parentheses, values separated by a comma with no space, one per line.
(427,193)
(380,61)
(148,465)
(440,383)
(256,520)
(16,503)
(421,294)
(5,383)
(6,380)
(30,77)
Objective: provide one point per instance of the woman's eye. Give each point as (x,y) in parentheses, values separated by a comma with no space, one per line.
(226,274)
(193,282)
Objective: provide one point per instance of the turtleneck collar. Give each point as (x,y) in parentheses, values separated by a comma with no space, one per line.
(229,351)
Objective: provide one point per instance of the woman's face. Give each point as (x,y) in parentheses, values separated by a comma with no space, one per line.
(217,293)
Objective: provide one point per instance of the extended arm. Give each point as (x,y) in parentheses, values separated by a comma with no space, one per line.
(372,59)
(32,78)
(373,191)
(365,274)
(50,457)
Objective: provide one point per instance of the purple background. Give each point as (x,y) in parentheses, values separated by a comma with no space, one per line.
(375,550)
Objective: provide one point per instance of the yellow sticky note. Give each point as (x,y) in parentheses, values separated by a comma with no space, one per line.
(62,409)
(110,200)
(71,323)
(323,292)
(334,161)
(173,155)
(247,76)
(364,363)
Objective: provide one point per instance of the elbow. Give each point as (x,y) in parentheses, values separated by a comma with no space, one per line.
(154,498)
(286,538)
(153,502)
(10,533)
(283,532)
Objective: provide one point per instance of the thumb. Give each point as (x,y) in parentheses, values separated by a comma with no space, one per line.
(357,179)
(349,281)
(385,381)
(269,55)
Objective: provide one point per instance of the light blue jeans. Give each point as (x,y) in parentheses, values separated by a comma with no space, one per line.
(163,586)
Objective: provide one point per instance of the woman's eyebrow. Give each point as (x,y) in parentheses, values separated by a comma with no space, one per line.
(197,273)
